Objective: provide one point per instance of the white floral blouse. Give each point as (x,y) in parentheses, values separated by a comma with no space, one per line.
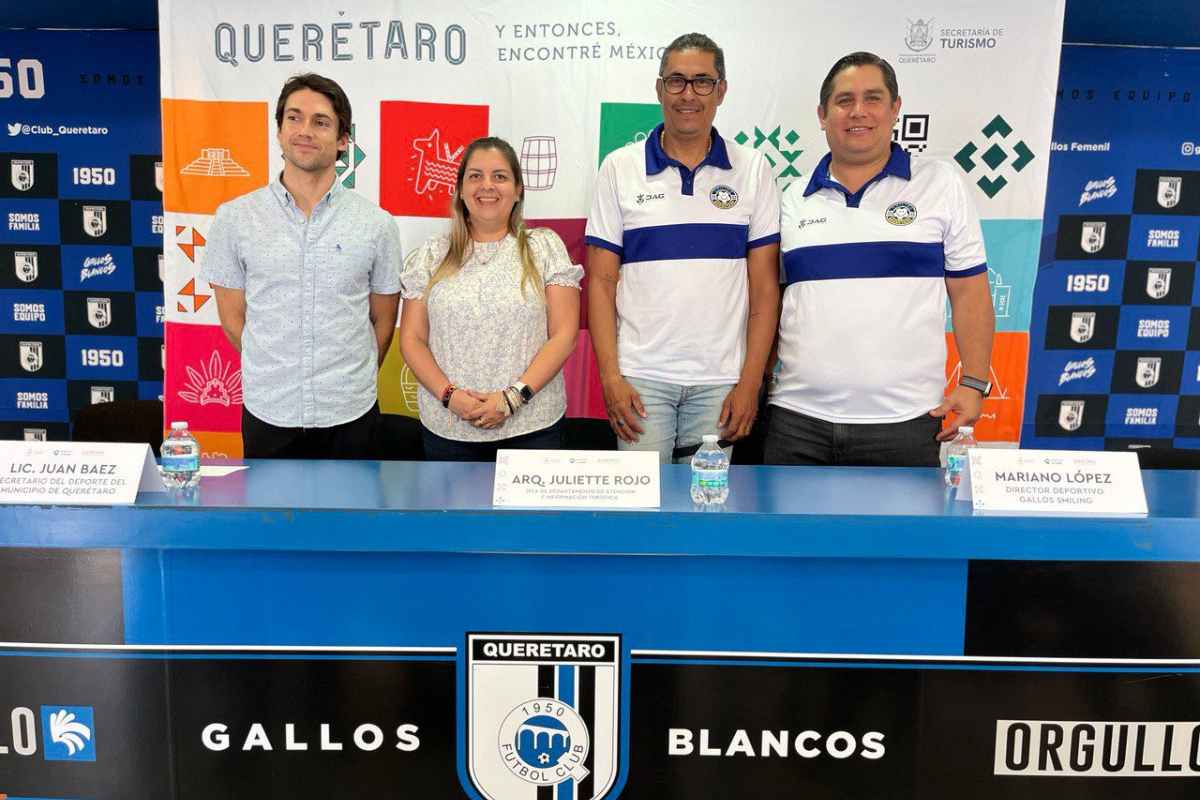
(484,332)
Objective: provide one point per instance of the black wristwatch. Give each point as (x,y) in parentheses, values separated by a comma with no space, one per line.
(525,392)
(983,387)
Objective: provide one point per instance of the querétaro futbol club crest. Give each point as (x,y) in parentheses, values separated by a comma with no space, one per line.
(1158,282)
(1169,187)
(1070,414)
(543,715)
(95,221)
(25,263)
(1091,237)
(22,174)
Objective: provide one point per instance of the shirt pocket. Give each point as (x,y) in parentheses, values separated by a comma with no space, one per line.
(344,270)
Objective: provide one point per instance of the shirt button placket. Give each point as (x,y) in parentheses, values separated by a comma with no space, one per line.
(308,323)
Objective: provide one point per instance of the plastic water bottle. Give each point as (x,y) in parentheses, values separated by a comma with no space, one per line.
(710,473)
(180,458)
(956,455)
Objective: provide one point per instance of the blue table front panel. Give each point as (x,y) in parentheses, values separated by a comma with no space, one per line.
(431,600)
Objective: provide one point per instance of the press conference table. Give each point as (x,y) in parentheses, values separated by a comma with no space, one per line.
(809,574)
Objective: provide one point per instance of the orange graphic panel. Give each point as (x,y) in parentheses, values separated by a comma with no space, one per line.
(1002,412)
(219,445)
(213,151)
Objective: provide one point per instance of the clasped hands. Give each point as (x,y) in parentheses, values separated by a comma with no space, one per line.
(484,410)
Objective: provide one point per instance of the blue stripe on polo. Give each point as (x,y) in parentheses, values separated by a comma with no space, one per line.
(865,260)
(684,242)
(773,238)
(596,241)
(966,273)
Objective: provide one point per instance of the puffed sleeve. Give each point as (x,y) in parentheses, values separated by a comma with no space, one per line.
(420,265)
(550,254)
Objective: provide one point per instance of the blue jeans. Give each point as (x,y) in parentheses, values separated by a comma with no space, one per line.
(676,416)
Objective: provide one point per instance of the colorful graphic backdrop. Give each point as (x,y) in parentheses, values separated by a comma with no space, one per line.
(1115,342)
(566,86)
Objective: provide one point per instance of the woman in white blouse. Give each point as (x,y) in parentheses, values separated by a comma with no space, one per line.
(491,312)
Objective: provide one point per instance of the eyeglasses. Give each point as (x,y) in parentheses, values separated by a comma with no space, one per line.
(675,84)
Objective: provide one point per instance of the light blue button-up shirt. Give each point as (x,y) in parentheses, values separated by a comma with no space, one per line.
(309,354)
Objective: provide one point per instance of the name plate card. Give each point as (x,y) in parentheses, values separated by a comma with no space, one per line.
(76,473)
(1053,482)
(576,479)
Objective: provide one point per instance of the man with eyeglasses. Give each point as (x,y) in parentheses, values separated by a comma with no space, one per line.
(683,247)
(872,247)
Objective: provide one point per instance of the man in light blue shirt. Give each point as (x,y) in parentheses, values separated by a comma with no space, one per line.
(307,280)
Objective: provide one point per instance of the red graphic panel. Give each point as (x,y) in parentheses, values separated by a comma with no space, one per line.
(202,383)
(571,232)
(584,395)
(1002,411)
(585,398)
(423,144)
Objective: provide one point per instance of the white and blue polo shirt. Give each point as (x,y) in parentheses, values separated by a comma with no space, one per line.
(683,236)
(862,331)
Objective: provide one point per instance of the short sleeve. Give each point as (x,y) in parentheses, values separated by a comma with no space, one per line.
(963,244)
(385,271)
(221,265)
(605,225)
(550,255)
(789,211)
(764,220)
(420,265)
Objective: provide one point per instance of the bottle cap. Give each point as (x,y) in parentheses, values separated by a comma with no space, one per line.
(966,429)
(710,438)
(179,426)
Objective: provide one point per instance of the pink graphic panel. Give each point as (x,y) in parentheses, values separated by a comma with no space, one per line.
(202,382)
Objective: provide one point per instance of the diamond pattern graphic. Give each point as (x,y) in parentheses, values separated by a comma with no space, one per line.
(349,159)
(781,154)
(995,156)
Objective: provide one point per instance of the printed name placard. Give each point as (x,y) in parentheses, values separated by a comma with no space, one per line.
(76,473)
(576,479)
(1053,482)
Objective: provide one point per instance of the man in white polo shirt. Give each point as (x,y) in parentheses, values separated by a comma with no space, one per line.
(872,246)
(683,247)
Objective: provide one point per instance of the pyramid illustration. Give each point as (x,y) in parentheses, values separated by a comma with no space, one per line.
(214,161)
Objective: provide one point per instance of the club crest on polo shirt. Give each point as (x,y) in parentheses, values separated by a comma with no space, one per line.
(901,213)
(723,197)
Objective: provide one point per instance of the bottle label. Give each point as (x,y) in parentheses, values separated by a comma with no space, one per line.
(956,462)
(710,478)
(181,463)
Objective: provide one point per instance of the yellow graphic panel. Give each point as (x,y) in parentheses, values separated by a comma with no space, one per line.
(397,384)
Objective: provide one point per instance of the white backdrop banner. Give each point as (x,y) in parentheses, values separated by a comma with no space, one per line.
(566,84)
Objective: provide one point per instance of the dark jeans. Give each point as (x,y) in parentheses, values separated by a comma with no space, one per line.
(355,439)
(797,439)
(439,449)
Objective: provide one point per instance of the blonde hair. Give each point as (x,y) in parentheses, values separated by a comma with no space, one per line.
(460,231)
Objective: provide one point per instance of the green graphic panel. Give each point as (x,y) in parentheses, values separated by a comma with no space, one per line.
(622,123)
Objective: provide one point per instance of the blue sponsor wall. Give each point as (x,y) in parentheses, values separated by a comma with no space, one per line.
(80,225)
(1115,336)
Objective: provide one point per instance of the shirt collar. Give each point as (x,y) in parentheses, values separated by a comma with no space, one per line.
(285,197)
(657,159)
(899,165)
